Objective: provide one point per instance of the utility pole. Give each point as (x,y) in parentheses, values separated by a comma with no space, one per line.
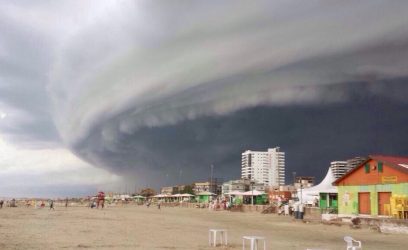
(252,189)
(180,173)
(211,178)
(301,195)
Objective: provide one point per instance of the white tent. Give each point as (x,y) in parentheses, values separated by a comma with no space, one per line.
(253,193)
(308,195)
(138,197)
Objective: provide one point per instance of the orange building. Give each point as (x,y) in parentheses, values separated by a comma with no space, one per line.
(371,187)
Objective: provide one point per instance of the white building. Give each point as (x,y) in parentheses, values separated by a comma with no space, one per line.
(263,167)
(339,168)
(241,185)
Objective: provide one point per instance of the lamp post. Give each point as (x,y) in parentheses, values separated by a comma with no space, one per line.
(252,190)
(301,195)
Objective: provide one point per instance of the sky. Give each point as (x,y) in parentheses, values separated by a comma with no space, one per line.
(121,95)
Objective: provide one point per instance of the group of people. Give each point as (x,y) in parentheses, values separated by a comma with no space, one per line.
(219,204)
(100,201)
(32,203)
(9,203)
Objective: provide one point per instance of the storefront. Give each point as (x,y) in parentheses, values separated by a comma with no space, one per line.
(377,187)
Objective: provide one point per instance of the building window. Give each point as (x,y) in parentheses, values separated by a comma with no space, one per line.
(367,168)
(380,167)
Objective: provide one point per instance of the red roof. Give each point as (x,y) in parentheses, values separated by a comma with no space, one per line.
(397,162)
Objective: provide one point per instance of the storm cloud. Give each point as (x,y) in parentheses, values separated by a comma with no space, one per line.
(159,91)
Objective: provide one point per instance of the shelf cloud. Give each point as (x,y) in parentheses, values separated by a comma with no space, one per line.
(157,91)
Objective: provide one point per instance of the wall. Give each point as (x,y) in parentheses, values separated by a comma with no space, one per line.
(348,196)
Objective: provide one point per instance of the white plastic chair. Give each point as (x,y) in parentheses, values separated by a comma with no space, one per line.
(351,243)
(253,242)
(212,237)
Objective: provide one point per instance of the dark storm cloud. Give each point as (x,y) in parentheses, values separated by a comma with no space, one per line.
(312,135)
(161,90)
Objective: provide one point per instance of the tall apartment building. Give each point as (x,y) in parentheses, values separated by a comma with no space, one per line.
(339,168)
(263,167)
(356,161)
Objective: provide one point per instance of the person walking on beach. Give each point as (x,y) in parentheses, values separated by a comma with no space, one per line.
(158,205)
(52,205)
(101,200)
(1,203)
(66,202)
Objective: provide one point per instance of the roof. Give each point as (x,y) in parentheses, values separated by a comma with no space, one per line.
(399,163)
(253,193)
(205,193)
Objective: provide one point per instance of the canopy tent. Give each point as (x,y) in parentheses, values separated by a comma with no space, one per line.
(138,197)
(308,195)
(256,197)
(176,197)
(233,199)
(253,193)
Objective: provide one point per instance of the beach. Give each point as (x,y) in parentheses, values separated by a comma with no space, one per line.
(139,227)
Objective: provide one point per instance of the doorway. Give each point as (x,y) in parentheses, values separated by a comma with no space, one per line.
(364,203)
(383,200)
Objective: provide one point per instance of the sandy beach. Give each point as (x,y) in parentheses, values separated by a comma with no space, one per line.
(138,227)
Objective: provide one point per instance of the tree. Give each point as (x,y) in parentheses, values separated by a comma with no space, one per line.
(147,192)
(188,189)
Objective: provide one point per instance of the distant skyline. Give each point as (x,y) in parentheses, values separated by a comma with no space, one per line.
(103,95)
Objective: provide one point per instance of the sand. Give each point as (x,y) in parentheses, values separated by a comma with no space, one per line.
(138,227)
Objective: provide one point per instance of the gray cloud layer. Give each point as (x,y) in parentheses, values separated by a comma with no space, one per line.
(108,79)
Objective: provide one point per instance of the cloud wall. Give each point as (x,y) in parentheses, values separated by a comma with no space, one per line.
(92,75)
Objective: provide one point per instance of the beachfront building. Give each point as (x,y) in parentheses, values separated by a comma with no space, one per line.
(304,181)
(378,186)
(235,186)
(266,167)
(207,186)
(167,190)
